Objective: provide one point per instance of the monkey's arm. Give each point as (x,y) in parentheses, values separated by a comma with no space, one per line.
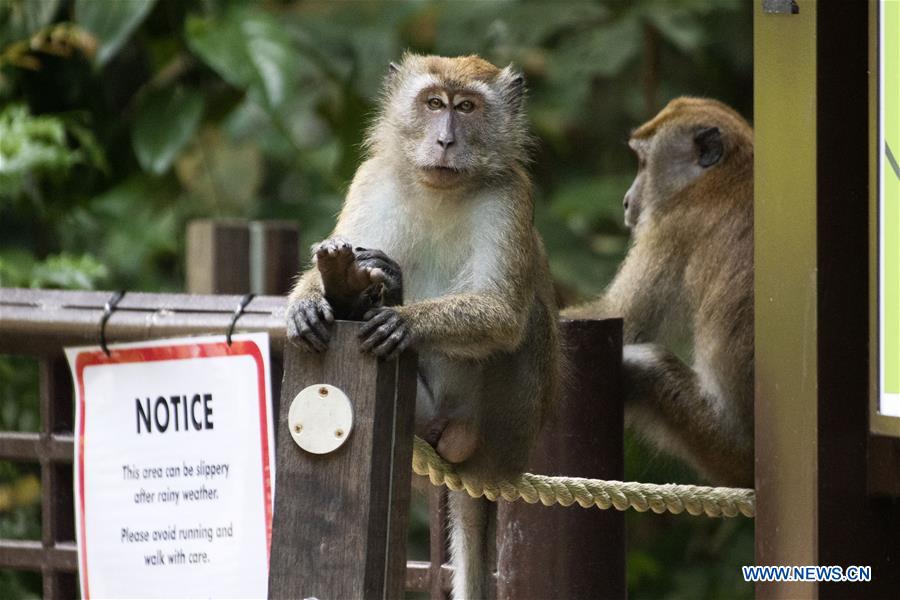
(639,294)
(664,395)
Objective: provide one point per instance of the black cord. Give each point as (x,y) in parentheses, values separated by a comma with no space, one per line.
(108,310)
(245,300)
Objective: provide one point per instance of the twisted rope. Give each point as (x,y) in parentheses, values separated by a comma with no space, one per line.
(621,495)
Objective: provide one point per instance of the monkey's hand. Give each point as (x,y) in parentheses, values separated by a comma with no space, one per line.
(356,281)
(391,277)
(307,323)
(386,333)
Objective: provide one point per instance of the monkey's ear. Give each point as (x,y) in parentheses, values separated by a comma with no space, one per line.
(710,148)
(513,85)
(393,69)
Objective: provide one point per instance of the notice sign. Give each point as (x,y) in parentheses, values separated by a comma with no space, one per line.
(174,468)
(889,207)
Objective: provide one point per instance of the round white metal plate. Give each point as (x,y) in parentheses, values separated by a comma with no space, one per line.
(320,418)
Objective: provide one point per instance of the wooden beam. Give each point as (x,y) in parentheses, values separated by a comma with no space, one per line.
(541,549)
(340,521)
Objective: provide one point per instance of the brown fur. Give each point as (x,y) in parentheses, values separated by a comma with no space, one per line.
(688,277)
(461,69)
(478,302)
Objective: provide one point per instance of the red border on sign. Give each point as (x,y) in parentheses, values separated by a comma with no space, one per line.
(176,352)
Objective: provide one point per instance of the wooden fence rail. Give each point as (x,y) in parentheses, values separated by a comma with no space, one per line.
(366,484)
(539,549)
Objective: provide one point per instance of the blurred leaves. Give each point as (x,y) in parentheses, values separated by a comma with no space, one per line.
(167,120)
(65,271)
(248,49)
(35,145)
(222,174)
(21,18)
(111,22)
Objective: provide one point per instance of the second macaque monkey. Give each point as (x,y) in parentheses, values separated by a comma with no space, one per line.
(688,280)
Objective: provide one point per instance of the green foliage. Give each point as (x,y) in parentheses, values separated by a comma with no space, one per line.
(31,146)
(122,120)
(21,18)
(167,121)
(111,23)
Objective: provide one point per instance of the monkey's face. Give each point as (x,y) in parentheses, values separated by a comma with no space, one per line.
(451,124)
(668,161)
(454,120)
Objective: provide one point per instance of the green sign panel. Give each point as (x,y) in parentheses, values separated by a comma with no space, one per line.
(889,206)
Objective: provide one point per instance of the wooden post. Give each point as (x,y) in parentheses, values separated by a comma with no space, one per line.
(340,522)
(236,257)
(572,552)
(814,452)
(57,496)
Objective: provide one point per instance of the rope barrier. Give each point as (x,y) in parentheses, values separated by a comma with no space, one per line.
(621,495)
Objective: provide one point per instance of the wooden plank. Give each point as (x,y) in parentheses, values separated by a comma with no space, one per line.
(785,272)
(274,256)
(227,256)
(541,550)
(852,527)
(884,466)
(217,254)
(40,322)
(31,555)
(33,447)
(57,494)
(340,518)
(419,577)
(57,414)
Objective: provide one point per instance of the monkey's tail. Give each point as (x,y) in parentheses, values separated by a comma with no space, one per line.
(473,548)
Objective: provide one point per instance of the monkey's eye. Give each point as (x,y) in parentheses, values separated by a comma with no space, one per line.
(465,106)
(435,103)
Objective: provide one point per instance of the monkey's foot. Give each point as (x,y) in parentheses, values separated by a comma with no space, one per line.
(342,275)
(350,286)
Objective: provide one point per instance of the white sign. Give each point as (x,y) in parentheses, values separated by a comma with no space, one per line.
(174,468)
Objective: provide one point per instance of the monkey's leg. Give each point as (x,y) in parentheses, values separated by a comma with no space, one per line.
(472,545)
(665,399)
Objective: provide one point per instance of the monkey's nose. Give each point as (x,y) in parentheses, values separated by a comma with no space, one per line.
(626,203)
(445,142)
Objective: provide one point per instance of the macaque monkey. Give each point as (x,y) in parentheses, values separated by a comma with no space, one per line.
(688,279)
(444,199)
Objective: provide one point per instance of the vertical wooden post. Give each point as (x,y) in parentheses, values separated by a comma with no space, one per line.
(274,256)
(57,496)
(558,552)
(339,528)
(217,260)
(236,257)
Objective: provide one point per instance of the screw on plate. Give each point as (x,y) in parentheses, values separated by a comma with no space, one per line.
(339,433)
(298,428)
(323,391)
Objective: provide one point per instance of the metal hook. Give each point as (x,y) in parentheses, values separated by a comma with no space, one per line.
(108,310)
(245,300)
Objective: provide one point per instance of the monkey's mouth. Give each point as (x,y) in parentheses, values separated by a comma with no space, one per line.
(441,176)
(443,170)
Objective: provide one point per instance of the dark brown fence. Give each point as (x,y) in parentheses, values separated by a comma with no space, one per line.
(540,549)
